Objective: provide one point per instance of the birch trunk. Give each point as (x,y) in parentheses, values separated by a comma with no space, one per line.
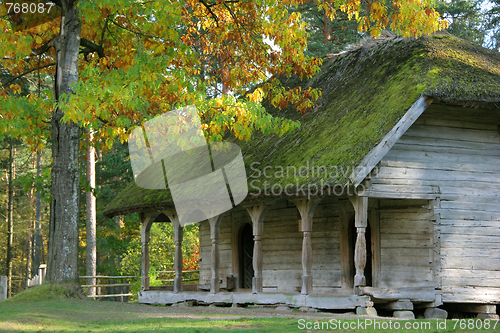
(29,252)
(10,218)
(37,240)
(91,218)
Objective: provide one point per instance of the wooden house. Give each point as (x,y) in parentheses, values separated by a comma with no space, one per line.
(388,195)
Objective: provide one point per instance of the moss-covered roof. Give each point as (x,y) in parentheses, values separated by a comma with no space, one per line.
(364,94)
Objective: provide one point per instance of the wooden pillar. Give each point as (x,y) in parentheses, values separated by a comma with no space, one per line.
(257,214)
(306,209)
(146,221)
(215,259)
(178,236)
(361,222)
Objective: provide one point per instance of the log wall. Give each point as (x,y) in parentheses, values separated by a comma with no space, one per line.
(281,247)
(455,153)
(225,268)
(406,243)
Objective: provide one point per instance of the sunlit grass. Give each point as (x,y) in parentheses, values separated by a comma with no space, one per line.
(48,309)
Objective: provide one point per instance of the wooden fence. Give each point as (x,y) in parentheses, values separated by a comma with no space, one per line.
(122,287)
(39,278)
(114,286)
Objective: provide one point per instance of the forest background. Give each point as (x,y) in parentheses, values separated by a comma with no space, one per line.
(25,187)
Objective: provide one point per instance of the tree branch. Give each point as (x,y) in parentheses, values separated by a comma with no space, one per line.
(208,7)
(103,31)
(27,72)
(132,31)
(92,47)
(44,48)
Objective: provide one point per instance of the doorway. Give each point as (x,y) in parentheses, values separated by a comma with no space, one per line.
(246,256)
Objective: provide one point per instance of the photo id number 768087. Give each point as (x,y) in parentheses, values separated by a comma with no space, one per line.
(32,8)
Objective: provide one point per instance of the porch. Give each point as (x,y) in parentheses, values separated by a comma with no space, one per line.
(349,268)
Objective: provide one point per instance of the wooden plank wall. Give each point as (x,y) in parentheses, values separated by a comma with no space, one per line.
(224,249)
(406,243)
(281,246)
(457,150)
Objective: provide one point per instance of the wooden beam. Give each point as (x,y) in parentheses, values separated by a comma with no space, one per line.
(377,153)
(146,222)
(306,209)
(178,236)
(257,214)
(415,294)
(215,258)
(360,205)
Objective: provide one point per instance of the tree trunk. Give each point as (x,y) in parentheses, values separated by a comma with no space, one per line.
(10,218)
(37,241)
(30,236)
(91,217)
(29,251)
(327,29)
(63,230)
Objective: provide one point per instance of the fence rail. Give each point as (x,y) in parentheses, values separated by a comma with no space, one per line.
(98,286)
(174,271)
(108,277)
(126,285)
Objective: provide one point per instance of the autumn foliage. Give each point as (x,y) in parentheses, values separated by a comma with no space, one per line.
(143,58)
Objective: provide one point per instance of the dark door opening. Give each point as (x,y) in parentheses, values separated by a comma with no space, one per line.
(246,256)
(352,246)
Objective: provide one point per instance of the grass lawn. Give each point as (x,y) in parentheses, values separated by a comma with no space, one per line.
(46,310)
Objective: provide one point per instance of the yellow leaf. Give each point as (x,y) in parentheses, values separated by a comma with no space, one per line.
(15,88)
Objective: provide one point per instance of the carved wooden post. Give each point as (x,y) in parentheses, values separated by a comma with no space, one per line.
(178,235)
(360,257)
(257,214)
(214,263)
(306,209)
(146,222)
(361,222)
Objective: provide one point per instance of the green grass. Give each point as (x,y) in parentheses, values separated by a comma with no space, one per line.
(69,315)
(48,309)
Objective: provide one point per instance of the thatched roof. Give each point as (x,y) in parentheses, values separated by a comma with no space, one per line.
(365,92)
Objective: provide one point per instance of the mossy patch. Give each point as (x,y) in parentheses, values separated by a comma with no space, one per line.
(49,292)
